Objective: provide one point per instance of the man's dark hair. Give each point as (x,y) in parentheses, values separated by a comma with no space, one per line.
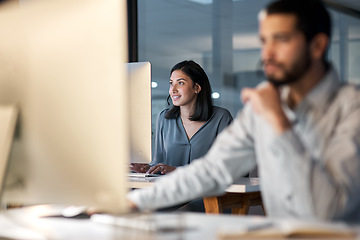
(312,16)
(203,107)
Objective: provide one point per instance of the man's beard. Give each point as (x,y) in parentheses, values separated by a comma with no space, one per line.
(297,70)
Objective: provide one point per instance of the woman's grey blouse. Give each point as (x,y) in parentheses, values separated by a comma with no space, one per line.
(172,146)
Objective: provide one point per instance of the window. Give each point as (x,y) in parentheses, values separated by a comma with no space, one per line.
(221,35)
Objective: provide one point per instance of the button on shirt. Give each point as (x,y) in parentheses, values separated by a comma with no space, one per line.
(311,171)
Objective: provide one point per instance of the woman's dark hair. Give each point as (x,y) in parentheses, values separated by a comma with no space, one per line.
(203,105)
(312,16)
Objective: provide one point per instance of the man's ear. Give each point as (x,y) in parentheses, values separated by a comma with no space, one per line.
(319,45)
(197,88)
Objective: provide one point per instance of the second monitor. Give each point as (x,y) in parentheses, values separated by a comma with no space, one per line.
(140,111)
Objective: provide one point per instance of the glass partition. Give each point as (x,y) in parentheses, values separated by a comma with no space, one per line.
(221,35)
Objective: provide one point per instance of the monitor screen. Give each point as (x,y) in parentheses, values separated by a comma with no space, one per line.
(140,111)
(63,64)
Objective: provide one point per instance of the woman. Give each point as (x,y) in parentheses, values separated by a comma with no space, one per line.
(186,131)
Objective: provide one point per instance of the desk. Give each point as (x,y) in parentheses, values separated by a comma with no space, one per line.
(239,197)
(28,223)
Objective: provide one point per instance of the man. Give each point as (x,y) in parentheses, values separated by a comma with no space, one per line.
(301,127)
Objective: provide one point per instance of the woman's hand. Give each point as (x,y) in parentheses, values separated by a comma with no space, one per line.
(162,168)
(139,167)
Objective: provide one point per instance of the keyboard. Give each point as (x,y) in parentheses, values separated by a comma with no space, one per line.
(143,175)
(162,222)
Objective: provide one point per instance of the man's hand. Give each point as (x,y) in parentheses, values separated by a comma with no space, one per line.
(139,167)
(265,100)
(132,205)
(162,168)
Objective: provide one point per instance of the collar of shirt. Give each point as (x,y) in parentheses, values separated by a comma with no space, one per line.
(317,98)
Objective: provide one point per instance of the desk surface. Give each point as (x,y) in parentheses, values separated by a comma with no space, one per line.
(27,223)
(244,185)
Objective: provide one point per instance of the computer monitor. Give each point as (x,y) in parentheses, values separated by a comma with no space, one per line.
(140,111)
(63,64)
(8,116)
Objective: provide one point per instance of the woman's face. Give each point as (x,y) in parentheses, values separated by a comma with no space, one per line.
(182,89)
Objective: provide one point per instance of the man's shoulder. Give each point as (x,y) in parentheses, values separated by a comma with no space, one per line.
(349,91)
(343,91)
(348,97)
(351,87)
